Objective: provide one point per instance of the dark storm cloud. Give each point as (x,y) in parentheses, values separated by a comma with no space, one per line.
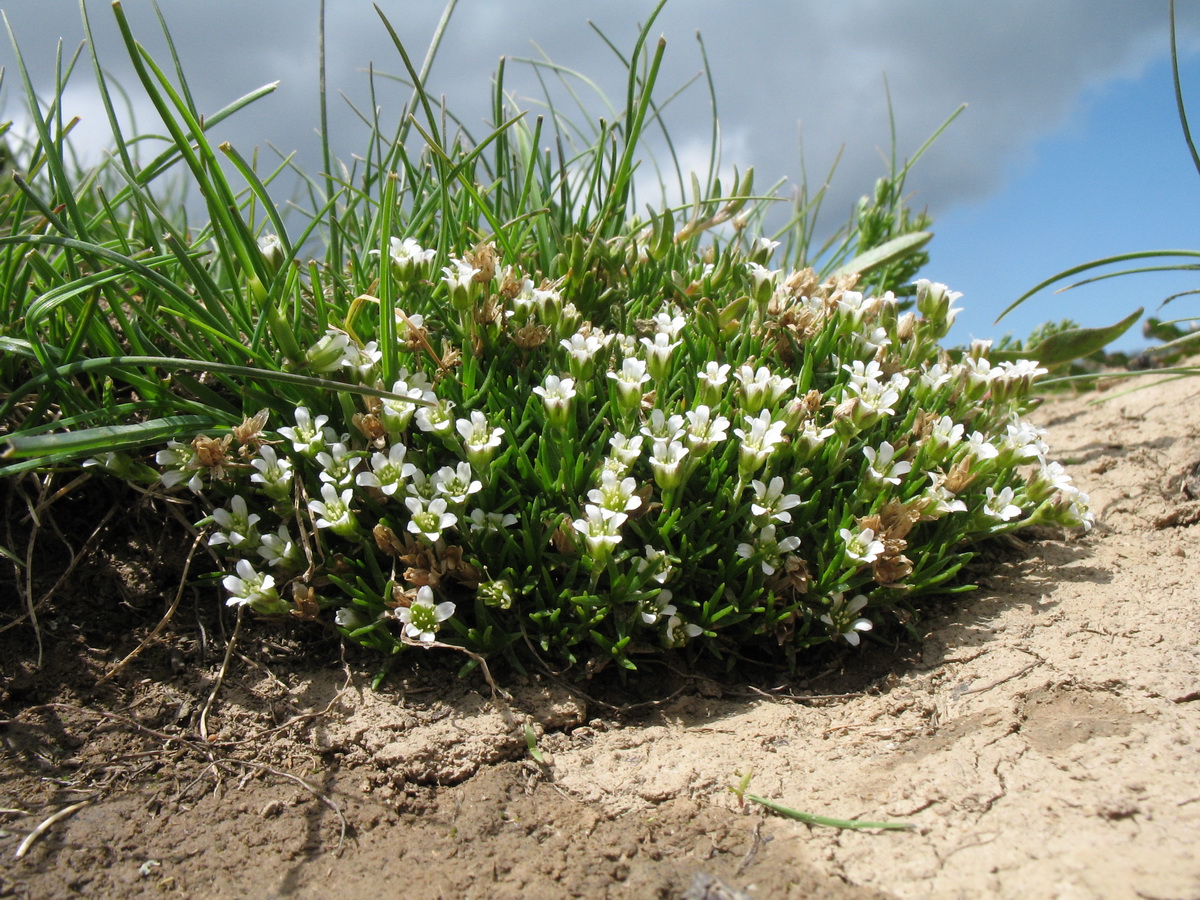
(779,67)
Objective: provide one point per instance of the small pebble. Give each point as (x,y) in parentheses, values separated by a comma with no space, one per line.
(271,809)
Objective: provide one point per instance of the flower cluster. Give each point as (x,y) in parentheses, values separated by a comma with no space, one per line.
(790,468)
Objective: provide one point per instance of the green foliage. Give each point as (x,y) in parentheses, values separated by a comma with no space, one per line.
(504,412)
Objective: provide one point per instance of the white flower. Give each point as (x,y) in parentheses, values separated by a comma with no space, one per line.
(456,484)
(658,354)
(184,466)
(937,375)
(407,325)
(626,344)
(272,472)
(459,275)
(420,486)
(549,304)
(841,617)
(423,619)
(656,564)
(760,388)
(523,305)
(389,472)
(669,324)
(429,521)
(1054,475)
(629,382)
(1000,506)
(557,395)
(489,521)
(408,258)
(437,419)
(327,354)
(583,348)
(338,465)
(811,436)
(946,432)
(614,465)
(978,371)
(308,436)
(1018,370)
(938,500)
(617,495)
(350,618)
(237,526)
(714,375)
(396,414)
(762,278)
(497,593)
(978,447)
(626,449)
(876,397)
(1025,440)
(271,247)
(479,438)
(768,548)
(933,302)
(280,551)
(852,303)
(249,588)
(660,605)
(861,548)
(660,428)
(712,379)
(759,439)
(333,510)
(882,466)
(704,429)
(679,633)
(362,360)
(601,530)
(1077,513)
(666,461)
(771,503)
(764,246)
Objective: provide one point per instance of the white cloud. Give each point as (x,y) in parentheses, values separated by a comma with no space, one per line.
(1023,66)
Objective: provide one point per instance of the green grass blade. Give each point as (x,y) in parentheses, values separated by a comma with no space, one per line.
(810,819)
(104,438)
(1072,343)
(1095,264)
(895,249)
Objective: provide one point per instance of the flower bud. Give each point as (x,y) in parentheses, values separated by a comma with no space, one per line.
(271,248)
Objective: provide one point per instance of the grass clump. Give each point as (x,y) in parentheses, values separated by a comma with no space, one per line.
(505,412)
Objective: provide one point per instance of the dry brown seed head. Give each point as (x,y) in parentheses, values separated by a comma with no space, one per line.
(511,283)
(890,570)
(872,522)
(250,428)
(960,475)
(386,540)
(371,427)
(483,258)
(531,336)
(846,409)
(897,520)
(212,453)
(304,598)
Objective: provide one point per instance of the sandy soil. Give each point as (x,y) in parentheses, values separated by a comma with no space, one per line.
(1043,738)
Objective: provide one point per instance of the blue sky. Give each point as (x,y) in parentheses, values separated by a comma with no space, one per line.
(1069,148)
(1116,177)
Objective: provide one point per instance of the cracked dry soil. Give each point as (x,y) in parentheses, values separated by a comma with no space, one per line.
(1043,737)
